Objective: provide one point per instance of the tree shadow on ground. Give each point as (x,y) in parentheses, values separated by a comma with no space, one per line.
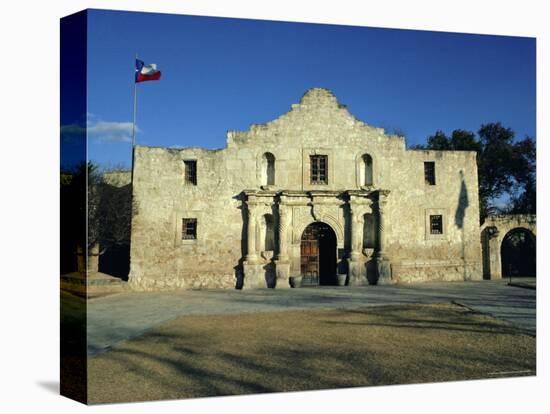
(294,351)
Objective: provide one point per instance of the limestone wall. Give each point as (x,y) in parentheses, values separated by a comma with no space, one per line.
(317,125)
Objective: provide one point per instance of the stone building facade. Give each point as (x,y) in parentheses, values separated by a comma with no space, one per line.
(317,193)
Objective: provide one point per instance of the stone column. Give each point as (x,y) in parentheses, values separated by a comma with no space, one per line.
(88,264)
(494,242)
(81,261)
(357,272)
(382,261)
(283,225)
(253,273)
(381,224)
(357,222)
(251,250)
(93,259)
(282,264)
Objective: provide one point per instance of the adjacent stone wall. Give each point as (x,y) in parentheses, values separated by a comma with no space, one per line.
(317,125)
(493,231)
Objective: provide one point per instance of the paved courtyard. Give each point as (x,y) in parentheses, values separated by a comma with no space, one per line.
(112,319)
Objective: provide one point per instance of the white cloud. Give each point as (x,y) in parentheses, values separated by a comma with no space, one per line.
(110,131)
(72,134)
(98,130)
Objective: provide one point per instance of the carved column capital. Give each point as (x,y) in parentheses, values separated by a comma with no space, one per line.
(359,210)
(253,209)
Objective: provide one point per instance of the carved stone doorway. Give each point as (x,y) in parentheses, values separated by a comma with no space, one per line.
(318,255)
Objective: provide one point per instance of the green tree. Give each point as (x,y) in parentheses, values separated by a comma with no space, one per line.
(439,141)
(110,211)
(524,196)
(462,140)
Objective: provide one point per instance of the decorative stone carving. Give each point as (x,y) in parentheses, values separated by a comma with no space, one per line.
(322,206)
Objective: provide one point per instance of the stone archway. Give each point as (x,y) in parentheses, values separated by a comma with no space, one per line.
(318,255)
(518,250)
(493,232)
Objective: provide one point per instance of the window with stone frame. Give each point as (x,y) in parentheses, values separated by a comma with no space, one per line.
(429,172)
(436,224)
(319,169)
(189,229)
(190,172)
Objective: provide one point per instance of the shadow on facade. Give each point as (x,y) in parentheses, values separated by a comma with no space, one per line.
(238,268)
(460,214)
(115,261)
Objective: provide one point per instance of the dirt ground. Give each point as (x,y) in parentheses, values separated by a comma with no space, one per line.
(200,356)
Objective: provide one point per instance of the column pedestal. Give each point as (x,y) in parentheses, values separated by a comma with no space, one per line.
(282,270)
(383,267)
(357,272)
(254,275)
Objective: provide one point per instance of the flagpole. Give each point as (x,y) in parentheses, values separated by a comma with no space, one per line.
(135,106)
(134,123)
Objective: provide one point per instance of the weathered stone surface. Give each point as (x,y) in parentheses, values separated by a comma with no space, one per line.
(243,218)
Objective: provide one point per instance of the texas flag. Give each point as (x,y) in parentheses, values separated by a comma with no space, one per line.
(146,72)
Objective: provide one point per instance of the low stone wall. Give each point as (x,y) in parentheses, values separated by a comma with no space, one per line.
(441,272)
(192,281)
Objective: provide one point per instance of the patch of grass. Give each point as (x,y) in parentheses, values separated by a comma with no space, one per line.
(200,356)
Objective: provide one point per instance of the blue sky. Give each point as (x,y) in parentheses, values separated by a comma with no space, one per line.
(225,74)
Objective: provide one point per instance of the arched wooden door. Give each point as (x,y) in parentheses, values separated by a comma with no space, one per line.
(318,255)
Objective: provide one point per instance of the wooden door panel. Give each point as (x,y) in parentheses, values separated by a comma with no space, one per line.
(309,259)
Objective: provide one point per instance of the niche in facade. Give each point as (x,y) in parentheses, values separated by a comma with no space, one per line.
(369,232)
(269,233)
(268,169)
(366,170)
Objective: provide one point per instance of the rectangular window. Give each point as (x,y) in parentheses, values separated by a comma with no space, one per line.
(429,172)
(436,224)
(319,169)
(189,229)
(190,172)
